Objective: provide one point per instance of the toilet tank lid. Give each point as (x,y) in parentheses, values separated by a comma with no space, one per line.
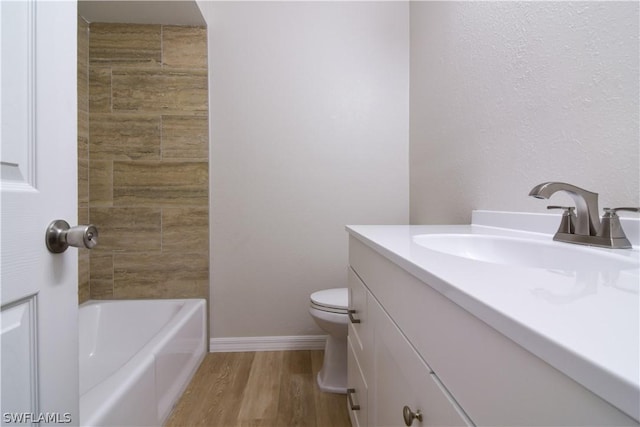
(332,298)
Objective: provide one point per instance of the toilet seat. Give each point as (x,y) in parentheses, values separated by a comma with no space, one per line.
(331,300)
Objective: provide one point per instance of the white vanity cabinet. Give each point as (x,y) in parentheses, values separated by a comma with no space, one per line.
(386,374)
(415,347)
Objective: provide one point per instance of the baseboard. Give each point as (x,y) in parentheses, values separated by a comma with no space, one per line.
(233,344)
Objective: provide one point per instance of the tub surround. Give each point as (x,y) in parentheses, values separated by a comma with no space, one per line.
(556,315)
(83,152)
(146,161)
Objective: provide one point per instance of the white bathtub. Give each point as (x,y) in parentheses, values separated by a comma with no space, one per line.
(136,358)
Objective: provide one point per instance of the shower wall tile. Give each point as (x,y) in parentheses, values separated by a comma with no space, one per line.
(83,182)
(184,47)
(99,89)
(100,183)
(144,275)
(101,274)
(83,126)
(125,45)
(160,183)
(83,65)
(83,151)
(148,161)
(83,218)
(185,137)
(162,91)
(84,293)
(185,230)
(83,84)
(84,278)
(128,229)
(124,137)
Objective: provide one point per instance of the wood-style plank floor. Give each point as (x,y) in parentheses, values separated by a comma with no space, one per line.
(262,389)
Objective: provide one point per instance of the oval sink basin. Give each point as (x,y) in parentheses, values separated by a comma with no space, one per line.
(525,253)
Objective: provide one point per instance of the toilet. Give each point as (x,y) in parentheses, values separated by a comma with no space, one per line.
(329,311)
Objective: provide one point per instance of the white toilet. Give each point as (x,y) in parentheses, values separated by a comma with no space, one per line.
(329,310)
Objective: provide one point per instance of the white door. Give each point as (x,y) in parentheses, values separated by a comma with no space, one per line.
(38,289)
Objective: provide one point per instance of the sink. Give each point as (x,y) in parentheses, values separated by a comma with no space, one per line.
(527,252)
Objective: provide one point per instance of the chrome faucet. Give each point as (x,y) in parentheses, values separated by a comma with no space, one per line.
(587,229)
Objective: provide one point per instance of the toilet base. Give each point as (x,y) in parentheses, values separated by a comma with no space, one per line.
(332,377)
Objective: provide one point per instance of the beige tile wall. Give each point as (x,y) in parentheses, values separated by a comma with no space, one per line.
(148,161)
(83,152)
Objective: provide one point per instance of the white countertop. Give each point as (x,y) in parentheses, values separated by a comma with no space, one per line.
(585,323)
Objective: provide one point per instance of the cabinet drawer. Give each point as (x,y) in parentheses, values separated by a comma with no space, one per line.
(357,392)
(403,379)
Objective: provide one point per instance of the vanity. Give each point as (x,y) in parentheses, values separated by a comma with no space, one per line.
(491,323)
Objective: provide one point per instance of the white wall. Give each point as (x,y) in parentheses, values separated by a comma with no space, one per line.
(309,107)
(309,132)
(506,95)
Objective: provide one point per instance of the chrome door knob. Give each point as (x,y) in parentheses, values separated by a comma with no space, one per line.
(59,236)
(409,415)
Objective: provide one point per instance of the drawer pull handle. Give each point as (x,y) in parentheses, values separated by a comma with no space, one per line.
(350,393)
(409,415)
(352,319)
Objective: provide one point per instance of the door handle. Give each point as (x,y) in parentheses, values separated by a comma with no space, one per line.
(59,236)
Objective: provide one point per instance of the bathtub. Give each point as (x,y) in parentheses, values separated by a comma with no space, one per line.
(136,358)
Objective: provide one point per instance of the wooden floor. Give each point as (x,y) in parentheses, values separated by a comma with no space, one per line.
(276,388)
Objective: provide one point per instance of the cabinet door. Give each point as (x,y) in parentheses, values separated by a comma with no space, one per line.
(403,379)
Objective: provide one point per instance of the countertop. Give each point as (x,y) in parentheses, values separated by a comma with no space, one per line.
(584,322)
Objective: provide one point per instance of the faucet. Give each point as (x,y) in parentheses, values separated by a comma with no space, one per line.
(587,219)
(587,229)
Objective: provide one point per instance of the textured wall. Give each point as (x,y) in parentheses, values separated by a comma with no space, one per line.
(505,95)
(309,106)
(148,161)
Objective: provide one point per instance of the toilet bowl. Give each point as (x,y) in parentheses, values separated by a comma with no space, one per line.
(329,311)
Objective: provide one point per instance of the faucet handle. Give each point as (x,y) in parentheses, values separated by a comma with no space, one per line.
(608,212)
(567,225)
(611,229)
(569,209)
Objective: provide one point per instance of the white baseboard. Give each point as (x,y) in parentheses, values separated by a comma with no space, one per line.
(300,342)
